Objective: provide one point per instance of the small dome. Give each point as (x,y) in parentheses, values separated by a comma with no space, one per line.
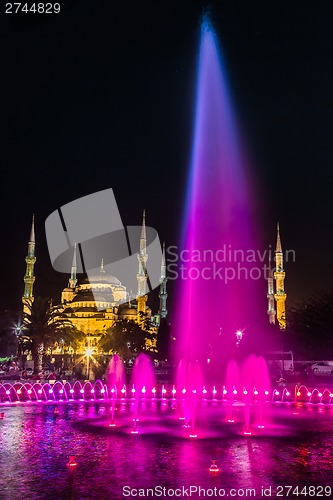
(127,311)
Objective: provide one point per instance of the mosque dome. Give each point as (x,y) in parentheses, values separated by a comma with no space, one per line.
(101,278)
(87,295)
(127,310)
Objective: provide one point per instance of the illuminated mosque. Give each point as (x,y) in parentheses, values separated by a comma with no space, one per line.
(96,304)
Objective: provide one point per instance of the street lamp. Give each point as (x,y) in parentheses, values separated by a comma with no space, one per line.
(239,336)
(18,332)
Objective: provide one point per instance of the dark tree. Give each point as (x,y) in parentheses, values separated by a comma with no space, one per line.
(10,329)
(163,339)
(43,326)
(126,338)
(310,327)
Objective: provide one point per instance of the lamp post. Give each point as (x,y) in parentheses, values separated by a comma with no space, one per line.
(88,353)
(239,336)
(18,331)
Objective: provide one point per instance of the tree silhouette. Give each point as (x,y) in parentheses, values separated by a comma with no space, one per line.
(310,326)
(43,326)
(127,338)
(9,331)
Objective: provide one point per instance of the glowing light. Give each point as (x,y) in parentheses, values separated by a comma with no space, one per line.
(276,393)
(82,391)
(153,390)
(193,435)
(71,391)
(173,391)
(133,390)
(50,391)
(7,392)
(214,469)
(143,390)
(234,391)
(266,393)
(239,336)
(112,425)
(247,433)
(231,420)
(245,392)
(164,391)
(309,394)
(287,393)
(184,391)
(61,391)
(72,462)
(113,391)
(224,391)
(320,394)
(40,391)
(102,391)
(255,393)
(214,391)
(331,395)
(204,391)
(29,391)
(19,391)
(298,393)
(92,391)
(89,352)
(261,427)
(194,391)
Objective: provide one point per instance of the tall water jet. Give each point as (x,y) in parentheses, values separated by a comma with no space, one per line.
(115,375)
(218,285)
(189,383)
(143,381)
(115,380)
(255,377)
(232,384)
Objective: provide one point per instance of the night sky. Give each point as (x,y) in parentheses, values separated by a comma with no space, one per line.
(102,95)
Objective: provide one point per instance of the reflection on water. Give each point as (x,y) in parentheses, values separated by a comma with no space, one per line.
(37,440)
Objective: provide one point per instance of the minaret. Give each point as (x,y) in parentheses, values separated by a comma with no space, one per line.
(69,292)
(270,295)
(163,293)
(101,269)
(73,280)
(279,275)
(142,273)
(29,278)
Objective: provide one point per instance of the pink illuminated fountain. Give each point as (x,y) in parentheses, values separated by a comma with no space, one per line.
(143,383)
(115,382)
(218,289)
(115,375)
